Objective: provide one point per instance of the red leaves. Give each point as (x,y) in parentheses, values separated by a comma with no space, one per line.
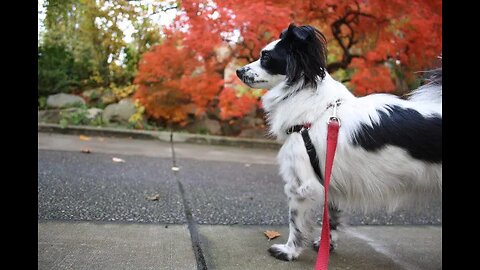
(168,82)
(232,105)
(372,79)
(185,69)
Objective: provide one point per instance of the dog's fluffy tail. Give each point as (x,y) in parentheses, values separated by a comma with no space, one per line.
(431,91)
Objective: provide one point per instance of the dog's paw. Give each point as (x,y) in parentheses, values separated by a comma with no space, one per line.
(283,252)
(333,242)
(316,246)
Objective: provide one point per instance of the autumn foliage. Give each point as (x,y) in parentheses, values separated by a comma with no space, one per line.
(171,78)
(374,46)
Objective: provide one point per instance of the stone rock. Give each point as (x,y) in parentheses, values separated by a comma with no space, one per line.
(250,122)
(64,100)
(119,112)
(205,125)
(49,116)
(108,97)
(213,126)
(93,113)
(55,115)
(255,133)
(92,94)
(231,129)
(103,95)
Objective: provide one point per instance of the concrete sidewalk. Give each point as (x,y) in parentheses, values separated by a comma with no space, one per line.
(156,148)
(88,245)
(93,213)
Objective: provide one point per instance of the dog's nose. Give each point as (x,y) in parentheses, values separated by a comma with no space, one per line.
(240,72)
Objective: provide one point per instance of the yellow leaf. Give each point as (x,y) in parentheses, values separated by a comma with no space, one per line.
(154,197)
(271,234)
(84,138)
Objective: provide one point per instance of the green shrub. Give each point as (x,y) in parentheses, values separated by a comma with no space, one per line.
(55,70)
(42,103)
(74,116)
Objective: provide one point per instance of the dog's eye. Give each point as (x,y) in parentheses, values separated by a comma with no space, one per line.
(265,56)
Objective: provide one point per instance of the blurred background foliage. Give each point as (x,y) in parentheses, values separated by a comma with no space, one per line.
(170,64)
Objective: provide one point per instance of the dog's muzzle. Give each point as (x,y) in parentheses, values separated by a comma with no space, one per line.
(241,72)
(243,75)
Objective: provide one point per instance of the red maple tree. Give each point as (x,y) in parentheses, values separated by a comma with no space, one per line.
(374,46)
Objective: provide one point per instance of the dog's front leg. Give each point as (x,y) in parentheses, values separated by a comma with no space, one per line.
(301,226)
(305,195)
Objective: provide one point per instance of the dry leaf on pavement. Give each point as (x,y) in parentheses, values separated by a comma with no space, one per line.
(115,159)
(84,138)
(271,234)
(155,197)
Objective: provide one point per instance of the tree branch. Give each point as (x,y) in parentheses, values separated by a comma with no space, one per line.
(347,41)
(163,9)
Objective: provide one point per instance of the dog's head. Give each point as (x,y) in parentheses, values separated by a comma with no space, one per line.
(299,54)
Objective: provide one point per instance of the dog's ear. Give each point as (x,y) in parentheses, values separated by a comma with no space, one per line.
(300,34)
(306,54)
(289,30)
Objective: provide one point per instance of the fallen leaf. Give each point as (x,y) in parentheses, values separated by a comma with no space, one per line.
(86,151)
(115,159)
(84,138)
(155,197)
(271,234)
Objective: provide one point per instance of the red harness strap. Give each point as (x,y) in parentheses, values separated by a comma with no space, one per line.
(324,249)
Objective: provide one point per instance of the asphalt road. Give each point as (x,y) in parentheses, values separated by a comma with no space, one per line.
(226,186)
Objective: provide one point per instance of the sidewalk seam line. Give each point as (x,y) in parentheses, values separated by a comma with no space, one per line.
(192,228)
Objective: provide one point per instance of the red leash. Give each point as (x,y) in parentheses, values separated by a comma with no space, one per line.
(324,249)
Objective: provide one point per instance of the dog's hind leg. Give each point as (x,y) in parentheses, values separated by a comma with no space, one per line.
(335,220)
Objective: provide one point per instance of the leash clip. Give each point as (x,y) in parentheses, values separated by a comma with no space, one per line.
(306,126)
(333,116)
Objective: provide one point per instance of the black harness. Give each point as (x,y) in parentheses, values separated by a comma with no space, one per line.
(312,153)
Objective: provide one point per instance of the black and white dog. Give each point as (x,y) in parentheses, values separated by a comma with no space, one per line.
(389,149)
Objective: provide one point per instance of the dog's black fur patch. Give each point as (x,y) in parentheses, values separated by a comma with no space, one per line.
(298,239)
(420,136)
(331,248)
(301,53)
(306,56)
(274,61)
